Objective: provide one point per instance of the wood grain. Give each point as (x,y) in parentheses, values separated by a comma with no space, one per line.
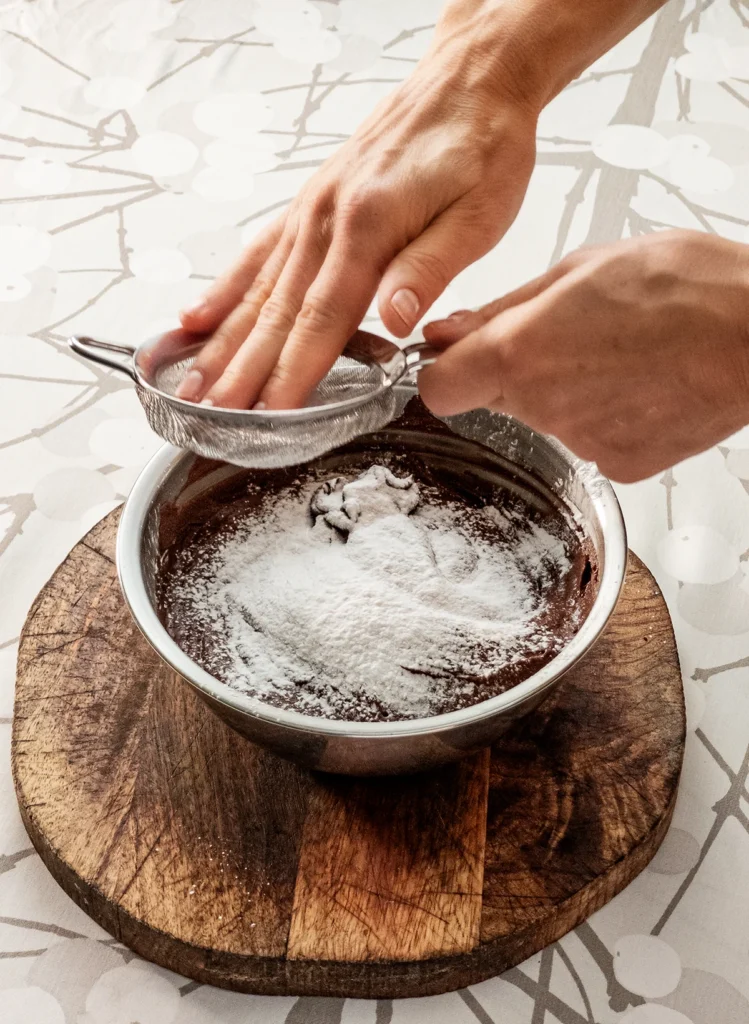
(123,766)
(391,869)
(579,804)
(230,866)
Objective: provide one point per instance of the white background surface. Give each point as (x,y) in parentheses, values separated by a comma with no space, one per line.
(140,143)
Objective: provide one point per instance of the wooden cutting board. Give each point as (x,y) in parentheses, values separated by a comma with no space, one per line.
(221,862)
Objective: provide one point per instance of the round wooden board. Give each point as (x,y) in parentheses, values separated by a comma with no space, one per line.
(223,863)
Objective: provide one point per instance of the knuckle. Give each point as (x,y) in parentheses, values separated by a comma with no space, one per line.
(315,237)
(654,266)
(317,212)
(276,314)
(210,364)
(286,385)
(302,199)
(361,208)
(280,378)
(225,385)
(657,269)
(664,244)
(589,258)
(317,315)
(226,390)
(259,290)
(573,260)
(217,352)
(430,265)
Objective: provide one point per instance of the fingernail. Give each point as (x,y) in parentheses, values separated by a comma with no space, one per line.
(450,322)
(406,305)
(260,405)
(207,401)
(191,387)
(198,308)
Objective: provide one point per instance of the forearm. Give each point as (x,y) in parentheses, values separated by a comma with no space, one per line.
(533,47)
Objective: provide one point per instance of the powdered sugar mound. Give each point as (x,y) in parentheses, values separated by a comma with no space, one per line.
(372,495)
(404,606)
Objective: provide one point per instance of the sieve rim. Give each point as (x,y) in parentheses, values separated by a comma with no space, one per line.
(269,416)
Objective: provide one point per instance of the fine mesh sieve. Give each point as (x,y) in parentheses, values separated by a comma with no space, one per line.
(357,396)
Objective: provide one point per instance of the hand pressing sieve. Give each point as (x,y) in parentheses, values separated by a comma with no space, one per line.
(356,397)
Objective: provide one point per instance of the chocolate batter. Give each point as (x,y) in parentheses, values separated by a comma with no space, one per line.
(419,479)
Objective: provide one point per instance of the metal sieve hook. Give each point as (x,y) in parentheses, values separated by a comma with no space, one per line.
(95,350)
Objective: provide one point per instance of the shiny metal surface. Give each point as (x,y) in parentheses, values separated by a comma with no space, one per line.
(356,397)
(365,748)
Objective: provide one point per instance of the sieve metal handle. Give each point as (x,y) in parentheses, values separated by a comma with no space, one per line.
(418,356)
(96,351)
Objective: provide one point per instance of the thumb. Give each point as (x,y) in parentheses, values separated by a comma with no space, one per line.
(468,375)
(481,369)
(420,273)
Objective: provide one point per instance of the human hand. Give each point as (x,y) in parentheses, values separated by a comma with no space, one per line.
(427,185)
(634,355)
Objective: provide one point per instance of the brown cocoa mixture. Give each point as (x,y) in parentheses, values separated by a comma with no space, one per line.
(450,473)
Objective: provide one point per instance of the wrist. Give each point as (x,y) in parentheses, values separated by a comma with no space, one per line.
(493,52)
(529,50)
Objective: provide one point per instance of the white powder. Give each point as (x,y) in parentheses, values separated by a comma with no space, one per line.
(362,599)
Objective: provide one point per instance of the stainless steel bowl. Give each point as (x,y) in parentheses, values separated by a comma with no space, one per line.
(374,748)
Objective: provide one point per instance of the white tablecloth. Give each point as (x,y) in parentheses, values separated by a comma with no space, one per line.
(119,199)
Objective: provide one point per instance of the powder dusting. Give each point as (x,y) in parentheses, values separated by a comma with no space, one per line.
(370,596)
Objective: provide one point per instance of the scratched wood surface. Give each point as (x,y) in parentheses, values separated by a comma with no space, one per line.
(219,861)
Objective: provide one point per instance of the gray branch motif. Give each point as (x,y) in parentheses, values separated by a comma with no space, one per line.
(600,205)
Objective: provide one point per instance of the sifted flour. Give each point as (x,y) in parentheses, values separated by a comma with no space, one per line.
(371,597)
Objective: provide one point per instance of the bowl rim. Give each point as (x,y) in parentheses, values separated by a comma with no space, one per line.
(129,540)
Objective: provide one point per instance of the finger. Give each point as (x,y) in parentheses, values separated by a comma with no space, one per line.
(478,371)
(420,273)
(227,291)
(243,379)
(443,333)
(464,321)
(220,349)
(332,311)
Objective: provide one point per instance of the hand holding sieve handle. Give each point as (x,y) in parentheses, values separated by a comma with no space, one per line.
(97,352)
(419,355)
